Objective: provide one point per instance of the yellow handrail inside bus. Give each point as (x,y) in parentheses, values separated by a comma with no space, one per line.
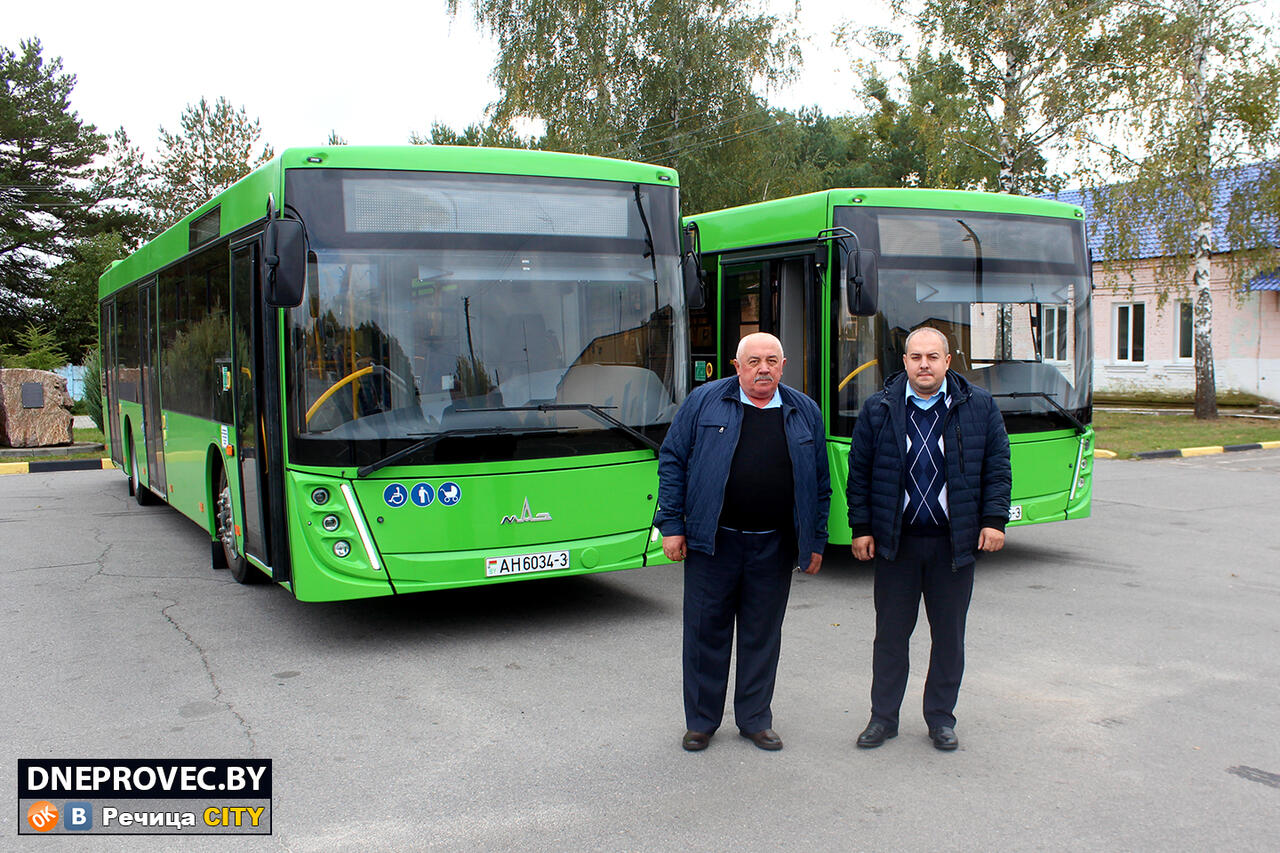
(856,371)
(334,388)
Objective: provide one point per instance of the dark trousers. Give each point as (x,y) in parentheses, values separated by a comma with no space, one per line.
(747,581)
(922,566)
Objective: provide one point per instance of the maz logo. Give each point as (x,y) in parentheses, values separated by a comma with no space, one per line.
(526,516)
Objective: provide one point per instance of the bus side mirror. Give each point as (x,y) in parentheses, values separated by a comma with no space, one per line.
(695,294)
(284,261)
(862,283)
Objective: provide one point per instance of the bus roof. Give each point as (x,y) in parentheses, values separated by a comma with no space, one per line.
(801,217)
(245,201)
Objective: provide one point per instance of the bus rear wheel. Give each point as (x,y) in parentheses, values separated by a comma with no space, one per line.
(241,569)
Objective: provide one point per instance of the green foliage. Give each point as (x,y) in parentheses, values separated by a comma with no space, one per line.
(72,293)
(486,134)
(996,86)
(92,400)
(61,182)
(215,148)
(670,82)
(38,349)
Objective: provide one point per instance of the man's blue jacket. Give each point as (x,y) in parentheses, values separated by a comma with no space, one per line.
(693,466)
(978,472)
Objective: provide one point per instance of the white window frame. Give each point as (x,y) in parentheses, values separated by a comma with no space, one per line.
(1049,330)
(1127,310)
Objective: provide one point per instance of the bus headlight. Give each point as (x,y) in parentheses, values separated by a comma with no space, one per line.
(320,496)
(341,548)
(330,523)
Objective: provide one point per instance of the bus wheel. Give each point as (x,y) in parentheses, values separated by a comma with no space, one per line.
(140,493)
(240,567)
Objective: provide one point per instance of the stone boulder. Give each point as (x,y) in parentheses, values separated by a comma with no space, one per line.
(35,409)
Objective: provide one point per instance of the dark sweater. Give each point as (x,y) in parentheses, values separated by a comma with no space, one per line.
(760,492)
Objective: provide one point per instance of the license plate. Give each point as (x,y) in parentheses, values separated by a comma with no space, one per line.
(519,564)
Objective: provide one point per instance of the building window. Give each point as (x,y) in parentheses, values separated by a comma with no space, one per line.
(1131,332)
(1186,331)
(1053,332)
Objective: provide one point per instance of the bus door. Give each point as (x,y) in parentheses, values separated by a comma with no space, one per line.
(152,419)
(778,295)
(246,354)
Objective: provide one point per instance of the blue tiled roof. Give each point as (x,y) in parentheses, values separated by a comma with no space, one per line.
(1150,244)
(1266,282)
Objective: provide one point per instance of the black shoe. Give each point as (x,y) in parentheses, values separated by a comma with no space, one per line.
(875,734)
(765,739)
(695,741)
(944,738)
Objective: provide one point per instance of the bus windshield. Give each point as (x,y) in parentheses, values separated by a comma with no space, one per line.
(1011,292)
(454,305)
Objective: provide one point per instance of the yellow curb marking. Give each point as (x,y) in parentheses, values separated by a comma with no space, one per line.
(13,467)
(1104,454)
(1270,445)
(1201,451)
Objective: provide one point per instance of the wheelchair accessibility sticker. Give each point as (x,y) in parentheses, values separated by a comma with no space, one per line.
(395,495)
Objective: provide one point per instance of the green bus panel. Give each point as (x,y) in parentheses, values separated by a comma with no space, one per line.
(432,546)
(191,448)
(1043,469)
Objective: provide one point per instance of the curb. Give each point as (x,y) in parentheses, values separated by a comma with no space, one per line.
(57,465)
(1205,451)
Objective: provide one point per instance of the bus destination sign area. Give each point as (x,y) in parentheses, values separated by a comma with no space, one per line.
(163,796)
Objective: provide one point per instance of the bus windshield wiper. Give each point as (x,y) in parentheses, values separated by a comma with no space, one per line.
(602,416)
(458,432)
(653,252)
(589,408)
(1049,398)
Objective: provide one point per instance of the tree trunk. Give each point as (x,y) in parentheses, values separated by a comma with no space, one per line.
(1202,325)
(1202,315)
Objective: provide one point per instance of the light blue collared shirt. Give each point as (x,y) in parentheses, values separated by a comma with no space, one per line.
(940,394)
(775,403)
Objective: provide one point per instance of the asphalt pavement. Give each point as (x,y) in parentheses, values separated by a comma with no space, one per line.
(1122,692)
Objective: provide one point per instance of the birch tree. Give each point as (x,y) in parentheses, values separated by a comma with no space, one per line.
(1206,104)
(1038,73)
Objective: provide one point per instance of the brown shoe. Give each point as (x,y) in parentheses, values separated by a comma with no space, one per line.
(766,739)
(695,741)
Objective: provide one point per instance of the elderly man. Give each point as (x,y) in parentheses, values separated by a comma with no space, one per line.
(929,482)
(743,498)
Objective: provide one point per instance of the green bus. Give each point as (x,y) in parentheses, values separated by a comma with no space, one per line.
(841,276)
(377,370)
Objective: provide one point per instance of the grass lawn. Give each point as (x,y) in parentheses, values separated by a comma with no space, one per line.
(1127,433)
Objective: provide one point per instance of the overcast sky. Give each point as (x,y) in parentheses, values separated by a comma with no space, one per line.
(374,71)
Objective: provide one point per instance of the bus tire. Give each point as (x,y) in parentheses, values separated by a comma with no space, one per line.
(225,531)
(141,494)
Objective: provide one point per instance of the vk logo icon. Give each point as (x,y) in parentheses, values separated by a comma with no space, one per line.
(422,494)
(449,494)
(79,816)
(395,495)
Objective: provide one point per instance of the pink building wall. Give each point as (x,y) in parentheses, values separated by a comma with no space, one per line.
(1246,335)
